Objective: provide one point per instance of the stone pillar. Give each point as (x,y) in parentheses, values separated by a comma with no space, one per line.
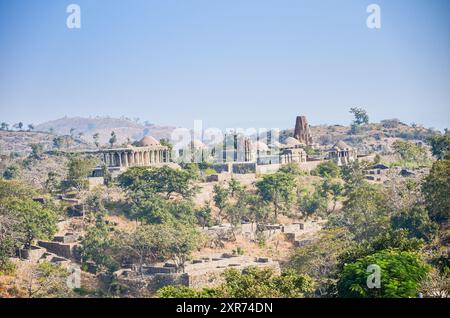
(120,159)
(110,162)
(126,159)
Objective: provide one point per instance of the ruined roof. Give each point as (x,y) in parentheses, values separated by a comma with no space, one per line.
(149,141)
(291,141)
(340,145)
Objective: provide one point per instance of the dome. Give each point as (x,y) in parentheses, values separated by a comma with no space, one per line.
(276,144)
(259,145)
(148,141)
(197,144)
(291,141)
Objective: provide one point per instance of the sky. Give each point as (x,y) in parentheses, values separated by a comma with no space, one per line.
(230,63)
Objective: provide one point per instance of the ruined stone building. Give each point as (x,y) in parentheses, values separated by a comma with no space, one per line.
(342,154)
(149,152)
(302,132)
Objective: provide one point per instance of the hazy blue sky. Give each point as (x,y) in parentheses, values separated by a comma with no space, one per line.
(232,63)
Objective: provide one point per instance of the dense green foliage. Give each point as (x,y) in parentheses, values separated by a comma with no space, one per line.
(327,169)
(22,220)
(277,189)
(164,180)
(436,190)
(440,145)
(79,170)
(401,273)
(251,283)
(409,151)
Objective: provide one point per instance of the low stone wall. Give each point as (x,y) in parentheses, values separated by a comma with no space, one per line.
(218,177)
(60,249)
(33,254)
(200,273)
(244,167)
(264,169)
(221,167)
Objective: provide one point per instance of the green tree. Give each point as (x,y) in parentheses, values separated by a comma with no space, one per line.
(16,189)
(409,151)
(107,176)
(37,150)
(157,210)
(112,139)
(32,219)
(12,172)
(176,242)
(98,245)
(312,203)
(391,239)
(235,187)
(278,189)
(79,170)
(401,274)
(263,283)
(46,280)
(220,198)
(360,115)
(353,175)
(436,189)
(61,142)
(180,291)
(52,184)
(332,188)
(320,259)
(144,243)
(30,127)
(417,222)
(204,215)
(165,180)
(327,169)
(292,168)
(440,145)
(365,212)
(251,283)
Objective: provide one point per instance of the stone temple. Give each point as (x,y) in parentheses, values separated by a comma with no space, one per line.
(149,152)
(302,132)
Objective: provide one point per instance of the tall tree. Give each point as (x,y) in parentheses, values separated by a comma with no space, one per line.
(79,170)
(440,145)
(112,139)
(436,189)
(360,115)
(401,274)
(278,189)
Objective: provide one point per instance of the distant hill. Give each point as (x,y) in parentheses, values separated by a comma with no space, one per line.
(367,138)
(84,128)
(19,141)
